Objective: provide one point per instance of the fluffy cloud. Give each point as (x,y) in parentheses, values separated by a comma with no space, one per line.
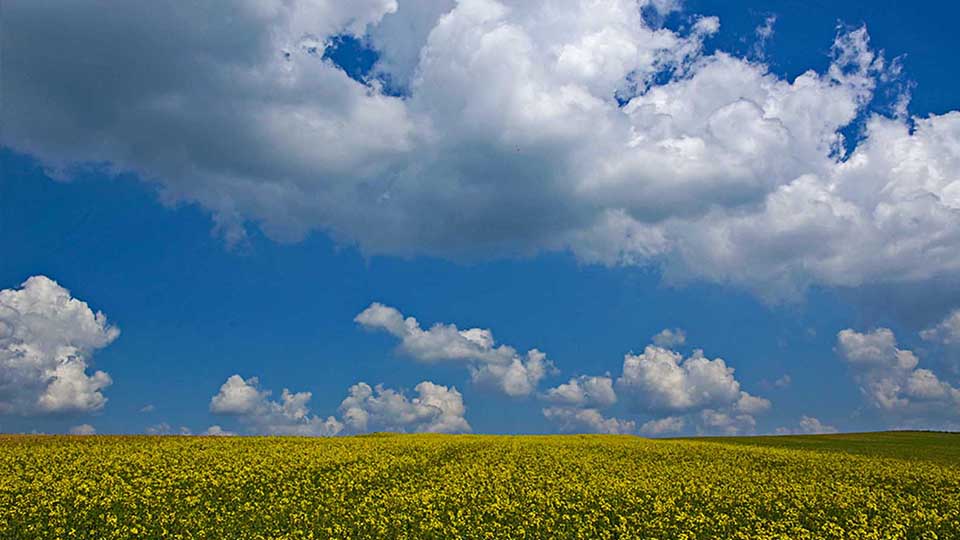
(244,399)
(947,332)
(83,429)
(707,165)
(808,426)
(500,367)
(217,431)
(47,339)
(693,390)
(584,391)
(573,419)
(577,403)
(663,381)
(889,377)
(725,422)
(670,337)
(435,409)
(946,336)
(164,428)
(663,426)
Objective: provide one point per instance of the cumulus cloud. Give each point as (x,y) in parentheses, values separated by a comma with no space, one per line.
(435,409)
(217,431)
(589,420)
(808,426)
(497,366)
(663,381)
(706,165)
(576,406)
(401,35)
(889,377)
(751,404)
(946,336)
(663,426)
(584,391)
(47,339)
(164,428)
(670,337)
(83,429)
(693,390)
(244,399)
(714,421)
(947,332)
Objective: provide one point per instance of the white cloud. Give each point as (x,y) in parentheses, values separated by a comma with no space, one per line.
(663,426)
(713,421)
(47,339)
(752,404)
(435,409)
(662,380)
(161,428)
(889,377)
(253,406)
(808,426)
(584,391)
(670,337)
(217,431)
(164,428)
(500,367)
(722,171)
(400,36)
(589,420)
(149,408)
(694,389)
(83,429)
(519,378)
(947,332)
(577,403)
(765,30)
(764,33)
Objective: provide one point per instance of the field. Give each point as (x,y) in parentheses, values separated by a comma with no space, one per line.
(888,485)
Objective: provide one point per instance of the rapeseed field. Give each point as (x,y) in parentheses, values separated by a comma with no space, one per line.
(477,487)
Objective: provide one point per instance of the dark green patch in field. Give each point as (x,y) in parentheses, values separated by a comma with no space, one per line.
(938,447)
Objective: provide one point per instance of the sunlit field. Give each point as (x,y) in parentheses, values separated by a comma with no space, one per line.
(890,485)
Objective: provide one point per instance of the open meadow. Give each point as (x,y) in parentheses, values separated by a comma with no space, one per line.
(888,485)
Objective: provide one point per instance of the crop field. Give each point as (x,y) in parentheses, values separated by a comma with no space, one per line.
(889,485)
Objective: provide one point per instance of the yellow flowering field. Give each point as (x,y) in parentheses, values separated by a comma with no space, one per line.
(468,486)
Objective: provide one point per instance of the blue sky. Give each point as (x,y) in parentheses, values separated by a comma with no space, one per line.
(224,237)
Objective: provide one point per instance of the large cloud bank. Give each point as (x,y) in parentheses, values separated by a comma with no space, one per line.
(520,127)
(47,339)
